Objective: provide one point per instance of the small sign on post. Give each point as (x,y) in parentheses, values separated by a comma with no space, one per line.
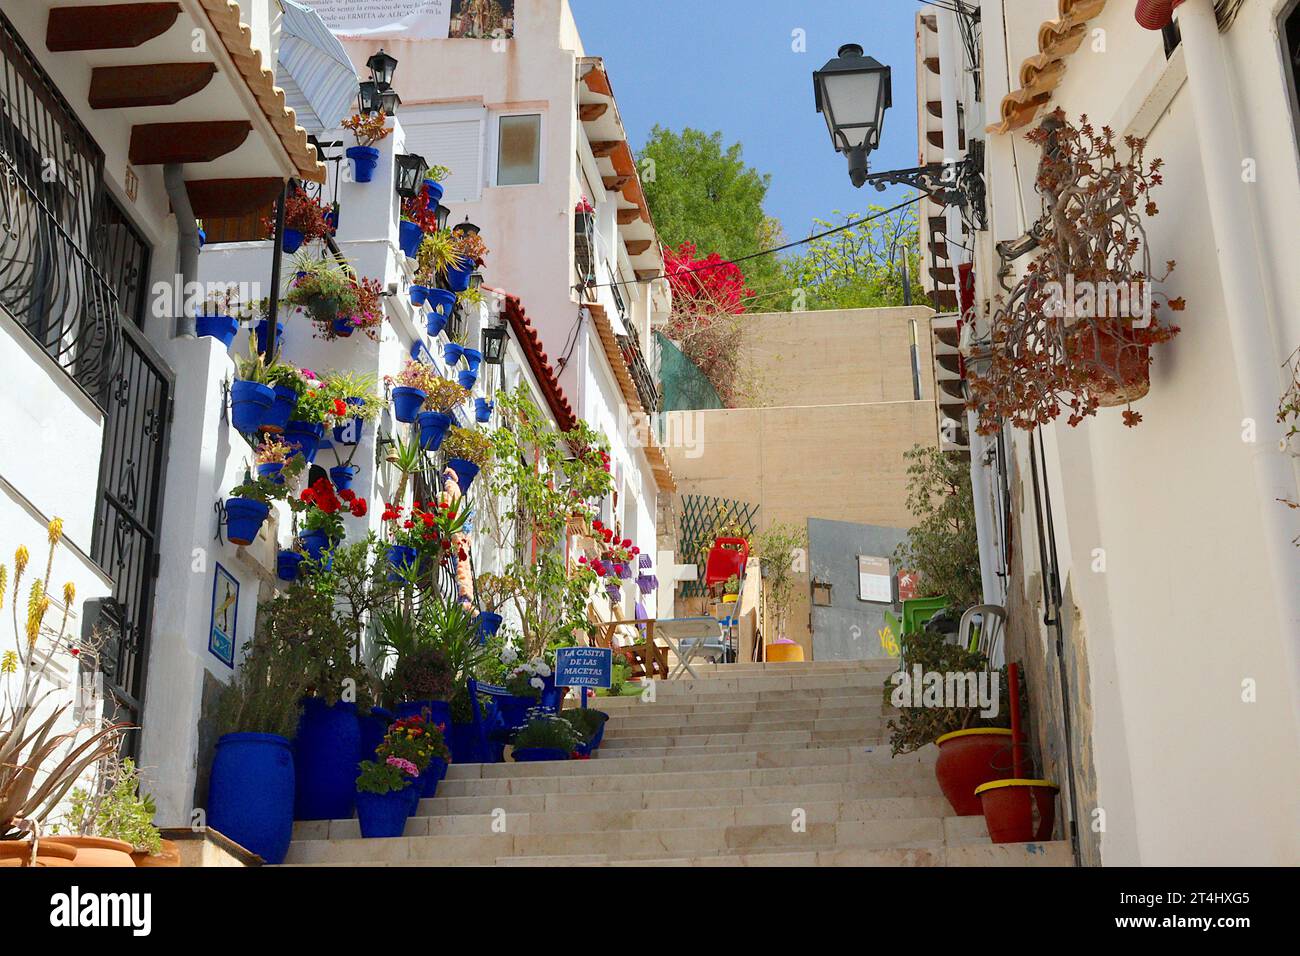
(585,667)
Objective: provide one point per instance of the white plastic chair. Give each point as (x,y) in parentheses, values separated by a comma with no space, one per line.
(992,625)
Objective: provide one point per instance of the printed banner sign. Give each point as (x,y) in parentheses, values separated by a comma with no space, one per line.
(418,19)
(583,666)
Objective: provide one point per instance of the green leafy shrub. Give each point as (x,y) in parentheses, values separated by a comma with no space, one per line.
(547,731)
(586,721)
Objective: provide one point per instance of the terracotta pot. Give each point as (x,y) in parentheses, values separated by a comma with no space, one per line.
(99,851)
(169,855)
(17,853)
(1133,362)
(968,758)
(1019,811)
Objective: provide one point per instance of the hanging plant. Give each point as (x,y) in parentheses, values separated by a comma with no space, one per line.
(304,220)
(1075,332)
(334,298)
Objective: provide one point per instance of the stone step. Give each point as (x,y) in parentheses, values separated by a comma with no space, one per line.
(729,694)
(795,667)
(819,706)
(768,683)
(728,723)
(586,821)
(1003,854)
(868,736)
(632,844)
(625,753)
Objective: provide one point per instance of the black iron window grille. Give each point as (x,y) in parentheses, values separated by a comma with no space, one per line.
(67,260)
(642,377)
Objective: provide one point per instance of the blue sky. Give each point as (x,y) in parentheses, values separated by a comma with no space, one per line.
(729,65)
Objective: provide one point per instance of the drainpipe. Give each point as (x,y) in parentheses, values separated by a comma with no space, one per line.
(187,245)
(1254,344)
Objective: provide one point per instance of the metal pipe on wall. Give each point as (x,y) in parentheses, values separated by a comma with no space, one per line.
(187,246)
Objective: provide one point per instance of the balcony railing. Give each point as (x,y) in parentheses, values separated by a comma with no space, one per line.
(644,379)
(52,206)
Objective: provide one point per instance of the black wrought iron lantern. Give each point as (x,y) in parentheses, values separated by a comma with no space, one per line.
(390,102)
(442,214)
(468,228)
(493,344)
(369,98)
(852,93)
(382,67)
(410,174)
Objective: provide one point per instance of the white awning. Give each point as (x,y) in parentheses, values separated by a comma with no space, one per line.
(318,78)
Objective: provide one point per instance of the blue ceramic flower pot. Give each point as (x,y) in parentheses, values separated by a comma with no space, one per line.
(409,238)
(349,433)
(435,323)
(249,404)
(364,160)
(286,565)
(465,471)
(244,518)
(419,295)
(451,353)
(272,471)
(473,358)
(466,378)
(304,438)
(250,793)
(483,409)
(488,625)
(531,754)
(219,327)
(260,332)
(514,710)
(458,277)
(434,192)
(407,402)
(402,559)
(431,776)
(384,814)
(442,301)
(277,417)
(325,756)
(293,240)
(342,476)
(343,328)
(433,429)
(315,544)
(462,741)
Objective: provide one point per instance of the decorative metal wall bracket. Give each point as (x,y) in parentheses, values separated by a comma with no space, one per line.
(219,507)
(958,184)
(225,399)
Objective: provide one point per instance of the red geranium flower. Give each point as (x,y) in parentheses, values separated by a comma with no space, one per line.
(359,508)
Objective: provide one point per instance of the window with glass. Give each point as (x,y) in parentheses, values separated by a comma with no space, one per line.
(519,150)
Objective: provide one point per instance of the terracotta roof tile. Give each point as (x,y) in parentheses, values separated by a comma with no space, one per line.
(540,363)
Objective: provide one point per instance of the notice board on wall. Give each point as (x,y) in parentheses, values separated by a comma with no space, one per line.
(419,19)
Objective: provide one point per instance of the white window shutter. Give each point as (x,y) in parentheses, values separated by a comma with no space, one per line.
(456,144)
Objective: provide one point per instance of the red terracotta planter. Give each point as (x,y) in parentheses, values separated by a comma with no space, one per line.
(1019,811)
(969,758)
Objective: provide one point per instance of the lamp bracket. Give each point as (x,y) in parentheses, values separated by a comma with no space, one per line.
(960,183)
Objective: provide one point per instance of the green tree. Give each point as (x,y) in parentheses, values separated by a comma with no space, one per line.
(701,191)
(942,547)
(860,267)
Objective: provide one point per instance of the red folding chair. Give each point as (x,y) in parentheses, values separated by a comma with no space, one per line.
(728,559)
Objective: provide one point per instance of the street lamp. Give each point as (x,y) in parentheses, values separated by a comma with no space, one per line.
(382,67)
(369,98)
(852,93)
(493,344)
(410,171)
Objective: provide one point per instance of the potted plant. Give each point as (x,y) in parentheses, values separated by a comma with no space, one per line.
(112,823)
(493,591)
(322,511)
(544,736)
(470,252)
(436,253)
(421,683)
(420,742)
(251,394)
(418,221)
(360,393)
(317,408)
(368,130)
(323,289)
(584,218)
(590,726)
(383,796)
(288,384)
(250,502)
(410,387)
(973,749)
(305,220)
(467,451)
(441,396)
(270,456)
(434,177)
(251,787)
(220,315)
(526,683)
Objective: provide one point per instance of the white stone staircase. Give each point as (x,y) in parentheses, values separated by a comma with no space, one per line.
(715,772)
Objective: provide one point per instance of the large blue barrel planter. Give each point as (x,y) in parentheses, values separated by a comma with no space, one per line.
(384,814)
(442,301)
(514,710)
(260,332)
(452,353)
(342,476)
(244,517)
(466,378)
(409,238)
(462,741)
(286,565)
(293,240)
(349,433)
(532,754)
(249,404)
(458,277)
(305,438)
(402,559)
(277,417)
(250,793)
(434,192)
(434,324)
(473,358)
(364,160)
(325,756)
(433,775)
(465,470)
(315,543)
(433,429)
(407,403)
(374,726)
(488,625)
(219,327)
